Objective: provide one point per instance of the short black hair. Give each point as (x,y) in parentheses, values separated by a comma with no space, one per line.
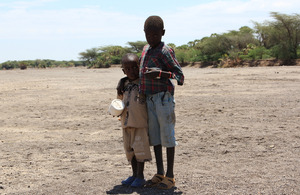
(154,22)
(130,57)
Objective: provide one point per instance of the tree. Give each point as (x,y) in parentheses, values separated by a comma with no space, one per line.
(240,39)
(90,56)
(213,47)
(137,47)
(290,24)
(172,45)
(112,54)
(281,35)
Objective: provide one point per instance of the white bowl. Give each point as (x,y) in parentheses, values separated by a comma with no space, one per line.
(116,107)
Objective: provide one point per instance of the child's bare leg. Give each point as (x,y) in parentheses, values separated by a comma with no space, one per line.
(131,179)
(134,166)
(169,180)
(139,181)
(158,177)
(140,170)
(159,159)
(170,161)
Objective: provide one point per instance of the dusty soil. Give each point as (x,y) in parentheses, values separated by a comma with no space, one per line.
(238,131)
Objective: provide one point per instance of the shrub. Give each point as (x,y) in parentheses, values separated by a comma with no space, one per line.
(23,65)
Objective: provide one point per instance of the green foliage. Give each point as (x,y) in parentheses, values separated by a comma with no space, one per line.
(212,48)
(256,53)
(38,64)
(9,65)
(89,56)
(172,45)
(23,65)
(181,56)
(282,35)
(195,55)
(278,39)
(103,57)
(137,47)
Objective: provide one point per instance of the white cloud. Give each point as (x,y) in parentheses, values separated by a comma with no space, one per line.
(221,16)
(90,26)
(66,23)
(28,4)
(201,20)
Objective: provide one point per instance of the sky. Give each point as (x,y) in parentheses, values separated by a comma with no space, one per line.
(61,29)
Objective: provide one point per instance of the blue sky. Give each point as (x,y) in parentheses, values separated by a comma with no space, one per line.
(61,29)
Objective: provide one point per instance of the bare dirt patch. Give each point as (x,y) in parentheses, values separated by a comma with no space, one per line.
(238,131)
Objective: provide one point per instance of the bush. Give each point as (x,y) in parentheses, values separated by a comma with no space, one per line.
(9,65)
(116,59)
(23,65)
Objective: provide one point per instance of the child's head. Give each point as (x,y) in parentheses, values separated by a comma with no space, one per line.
(154,30)
(130,65)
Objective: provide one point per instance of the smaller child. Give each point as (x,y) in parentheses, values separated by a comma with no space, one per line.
(134,120)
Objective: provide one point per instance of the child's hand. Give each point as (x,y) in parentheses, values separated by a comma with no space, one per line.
(152,73)
(121,85)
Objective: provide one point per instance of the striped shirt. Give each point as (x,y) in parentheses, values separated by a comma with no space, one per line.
(162,57)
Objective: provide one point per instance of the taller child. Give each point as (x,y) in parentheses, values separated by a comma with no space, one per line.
(157,67)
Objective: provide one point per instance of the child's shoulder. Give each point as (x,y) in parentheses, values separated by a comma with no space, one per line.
(166,50)
(134,82)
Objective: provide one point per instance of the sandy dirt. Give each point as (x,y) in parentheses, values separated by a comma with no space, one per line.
(238,131)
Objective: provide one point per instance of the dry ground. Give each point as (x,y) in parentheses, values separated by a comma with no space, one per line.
(238,131)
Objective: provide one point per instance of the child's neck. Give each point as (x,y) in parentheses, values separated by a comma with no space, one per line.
(156,45)
(132,79)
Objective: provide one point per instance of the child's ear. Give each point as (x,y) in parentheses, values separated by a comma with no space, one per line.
(123,70)
(163,32)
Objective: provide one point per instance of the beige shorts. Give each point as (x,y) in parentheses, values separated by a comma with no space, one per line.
(136,143)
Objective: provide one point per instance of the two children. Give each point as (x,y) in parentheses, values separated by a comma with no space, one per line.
(157,66)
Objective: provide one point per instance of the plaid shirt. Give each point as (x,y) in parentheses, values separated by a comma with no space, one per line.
(162,57)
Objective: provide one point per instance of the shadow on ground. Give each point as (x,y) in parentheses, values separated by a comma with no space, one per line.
(120,189)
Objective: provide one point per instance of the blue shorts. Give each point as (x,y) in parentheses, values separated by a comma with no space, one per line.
(161,119)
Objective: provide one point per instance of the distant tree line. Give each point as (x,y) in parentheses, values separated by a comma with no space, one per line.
(103,57)
(277,39)
(24,64)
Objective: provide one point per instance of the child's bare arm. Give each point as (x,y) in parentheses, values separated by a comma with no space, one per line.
(153,73)
(121,86)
